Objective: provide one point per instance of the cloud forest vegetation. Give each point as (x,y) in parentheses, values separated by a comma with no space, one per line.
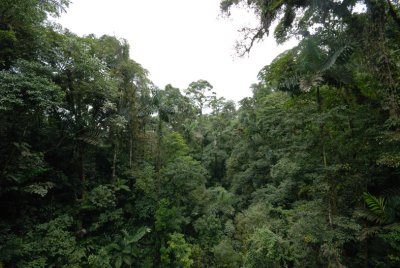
(101,168)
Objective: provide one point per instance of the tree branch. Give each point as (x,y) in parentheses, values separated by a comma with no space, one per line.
(243,45)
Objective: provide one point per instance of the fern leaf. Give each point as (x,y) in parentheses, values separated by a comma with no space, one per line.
(290,82)
(377,208)
(138,235)
(368,232)
(343,51)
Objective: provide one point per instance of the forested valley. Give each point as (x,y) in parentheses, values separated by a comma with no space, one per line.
(101,168)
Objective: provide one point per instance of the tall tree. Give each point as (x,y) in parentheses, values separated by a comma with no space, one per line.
(199,93)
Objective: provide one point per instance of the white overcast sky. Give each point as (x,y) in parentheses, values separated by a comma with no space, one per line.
(178,41)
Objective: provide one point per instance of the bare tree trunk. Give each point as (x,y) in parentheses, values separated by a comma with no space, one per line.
(114,163)
(366,257)
(82,170)
(130,151)
(158,158)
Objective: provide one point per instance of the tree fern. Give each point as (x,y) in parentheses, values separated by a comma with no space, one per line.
(311,65)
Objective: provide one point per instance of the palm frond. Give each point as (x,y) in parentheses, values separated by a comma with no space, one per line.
(290,82)
(376,207)
(332,59)
(138,235)
(369,231)
(392,192)
(92,137)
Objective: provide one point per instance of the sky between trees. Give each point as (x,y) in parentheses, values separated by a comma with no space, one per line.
(179,41)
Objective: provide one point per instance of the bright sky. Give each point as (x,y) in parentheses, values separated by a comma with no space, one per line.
(178,41)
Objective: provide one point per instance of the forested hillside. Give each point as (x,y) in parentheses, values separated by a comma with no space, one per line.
(101,168)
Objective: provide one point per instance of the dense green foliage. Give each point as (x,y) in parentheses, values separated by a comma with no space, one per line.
(100,168)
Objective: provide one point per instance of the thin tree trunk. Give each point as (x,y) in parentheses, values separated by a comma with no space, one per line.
(158,158)
(82,172)
(335,261)
(114,164)
(386,69)
(366,257)
(130,151)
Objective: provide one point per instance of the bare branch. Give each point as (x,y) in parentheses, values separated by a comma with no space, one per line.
(250,37)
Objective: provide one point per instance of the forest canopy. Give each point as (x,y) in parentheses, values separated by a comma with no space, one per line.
(101,168)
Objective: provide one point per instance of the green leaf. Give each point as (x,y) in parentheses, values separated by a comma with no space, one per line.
(376,206)
(128,260)
(118,262)
(138,235)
